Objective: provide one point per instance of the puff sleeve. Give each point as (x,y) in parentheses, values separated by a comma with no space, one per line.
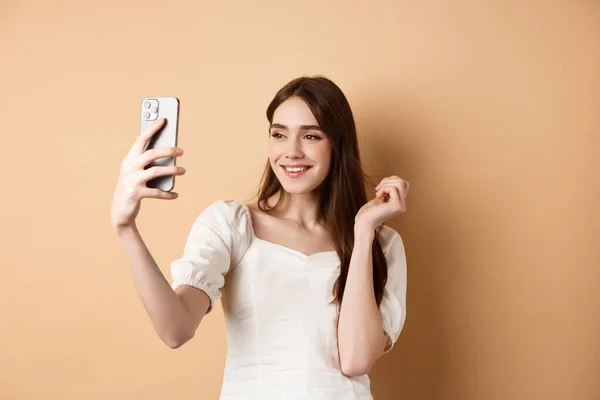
(216,242)
(393,304)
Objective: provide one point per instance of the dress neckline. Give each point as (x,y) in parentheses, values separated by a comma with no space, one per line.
(282,247)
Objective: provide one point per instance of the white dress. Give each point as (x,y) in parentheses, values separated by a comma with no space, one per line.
(281,329)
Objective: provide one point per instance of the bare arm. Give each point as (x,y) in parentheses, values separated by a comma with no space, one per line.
(361,338)
(175,314)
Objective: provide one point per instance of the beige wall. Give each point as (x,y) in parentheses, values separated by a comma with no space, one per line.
(489,109)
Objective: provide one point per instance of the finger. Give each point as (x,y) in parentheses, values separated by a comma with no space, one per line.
(142,139)
(388,180)
(381,189)
(405,186)
(395,199)
(391,192)
(394,193)
(381,196)
(381,183)
(156,171)
(402,186)
(154,154)
(159,194)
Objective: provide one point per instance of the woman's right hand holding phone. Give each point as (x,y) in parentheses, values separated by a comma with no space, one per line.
(131,187)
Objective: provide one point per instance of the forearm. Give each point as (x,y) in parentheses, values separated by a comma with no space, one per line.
(360,324)
(166,311)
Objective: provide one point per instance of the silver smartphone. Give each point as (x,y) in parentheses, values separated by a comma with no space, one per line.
(153,109)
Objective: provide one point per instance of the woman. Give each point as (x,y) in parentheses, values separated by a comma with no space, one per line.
(313,285)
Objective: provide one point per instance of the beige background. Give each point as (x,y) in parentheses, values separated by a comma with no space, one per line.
(488,108)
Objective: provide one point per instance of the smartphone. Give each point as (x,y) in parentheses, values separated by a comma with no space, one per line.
(153,109)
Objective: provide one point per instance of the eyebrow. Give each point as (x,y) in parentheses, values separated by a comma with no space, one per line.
(302,127)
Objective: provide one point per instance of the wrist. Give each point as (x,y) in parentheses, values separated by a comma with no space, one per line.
(125,230)
(364,231)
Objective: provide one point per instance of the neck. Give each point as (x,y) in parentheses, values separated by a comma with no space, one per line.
(302,208)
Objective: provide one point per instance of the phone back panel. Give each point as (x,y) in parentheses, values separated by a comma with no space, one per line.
(154,108)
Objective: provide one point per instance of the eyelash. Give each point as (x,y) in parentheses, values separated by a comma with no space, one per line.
(277,133)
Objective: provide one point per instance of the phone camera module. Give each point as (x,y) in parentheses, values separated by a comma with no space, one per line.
(150,109)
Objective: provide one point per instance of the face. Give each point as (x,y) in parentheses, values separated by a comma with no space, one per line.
(297,142)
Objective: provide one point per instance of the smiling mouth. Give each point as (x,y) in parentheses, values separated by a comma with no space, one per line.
(295,172)
(296,169)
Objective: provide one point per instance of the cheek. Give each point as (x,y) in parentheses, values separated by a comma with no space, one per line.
(323,155)
(272,152)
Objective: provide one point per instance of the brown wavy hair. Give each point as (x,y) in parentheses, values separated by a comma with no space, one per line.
(342,193)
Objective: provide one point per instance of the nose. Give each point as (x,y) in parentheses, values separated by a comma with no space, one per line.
(294,149)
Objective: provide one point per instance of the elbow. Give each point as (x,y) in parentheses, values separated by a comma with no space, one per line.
(355,369)
(174,344)
(176,339)
(354,363)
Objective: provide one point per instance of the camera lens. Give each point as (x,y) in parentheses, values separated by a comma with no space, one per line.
(153,109)
(146,114)
(147,104)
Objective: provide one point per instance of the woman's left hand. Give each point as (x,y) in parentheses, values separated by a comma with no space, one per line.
(389,201)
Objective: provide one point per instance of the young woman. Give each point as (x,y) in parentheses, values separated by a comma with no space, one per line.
(313,285)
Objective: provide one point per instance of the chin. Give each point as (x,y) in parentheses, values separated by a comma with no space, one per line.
(297,190)
(297,187)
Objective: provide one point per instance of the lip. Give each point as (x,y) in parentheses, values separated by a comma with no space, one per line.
(295,175)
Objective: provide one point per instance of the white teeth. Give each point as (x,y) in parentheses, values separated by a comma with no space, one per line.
(297,169)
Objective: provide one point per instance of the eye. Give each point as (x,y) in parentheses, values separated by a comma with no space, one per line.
(276,135)
(315,137)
